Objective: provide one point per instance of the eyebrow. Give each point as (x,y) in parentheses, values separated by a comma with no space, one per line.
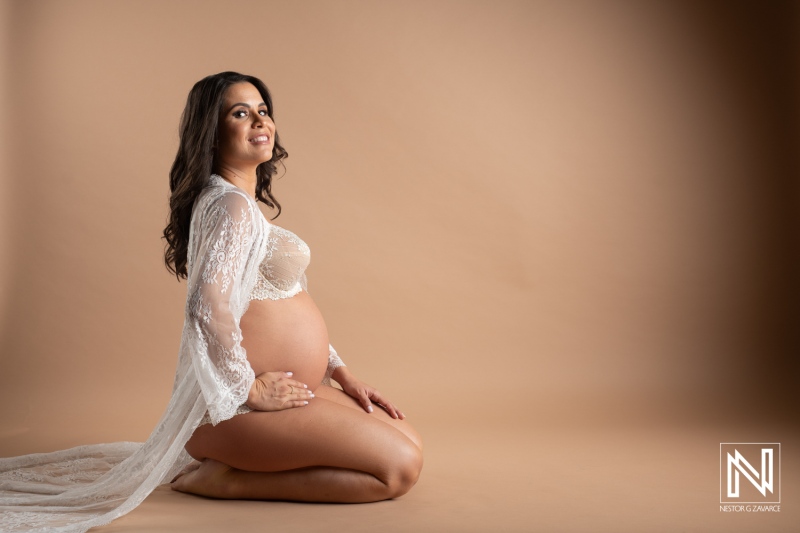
(244,105)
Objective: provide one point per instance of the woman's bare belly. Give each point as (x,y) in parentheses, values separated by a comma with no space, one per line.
(286,335)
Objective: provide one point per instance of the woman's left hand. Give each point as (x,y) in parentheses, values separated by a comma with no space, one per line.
(365,394)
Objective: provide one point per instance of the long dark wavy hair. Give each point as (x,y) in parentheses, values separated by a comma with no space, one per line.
(196,160)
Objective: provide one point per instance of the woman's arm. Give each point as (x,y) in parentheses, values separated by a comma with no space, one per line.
(225,234)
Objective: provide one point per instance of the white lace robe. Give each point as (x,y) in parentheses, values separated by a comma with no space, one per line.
(79,488)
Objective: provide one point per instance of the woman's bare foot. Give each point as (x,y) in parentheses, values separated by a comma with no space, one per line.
(194,465)
(209,478)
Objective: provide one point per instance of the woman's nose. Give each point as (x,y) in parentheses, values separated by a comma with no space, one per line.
(263,123)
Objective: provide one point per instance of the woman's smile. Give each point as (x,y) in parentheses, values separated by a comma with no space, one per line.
(261,139)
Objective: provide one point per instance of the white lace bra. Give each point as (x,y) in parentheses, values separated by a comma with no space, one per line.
(280,273)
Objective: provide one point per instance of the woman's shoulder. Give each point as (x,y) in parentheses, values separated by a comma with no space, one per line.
(219,194)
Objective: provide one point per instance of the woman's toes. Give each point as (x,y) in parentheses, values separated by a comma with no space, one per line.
(182,482)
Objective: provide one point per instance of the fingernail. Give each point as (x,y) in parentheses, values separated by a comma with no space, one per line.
(288,373)
(312,394)
(369,408)
(305,403)
(305,386)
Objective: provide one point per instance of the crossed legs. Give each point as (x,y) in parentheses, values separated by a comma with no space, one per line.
(330,450)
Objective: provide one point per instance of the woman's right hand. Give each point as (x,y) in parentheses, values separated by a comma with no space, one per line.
(275,391)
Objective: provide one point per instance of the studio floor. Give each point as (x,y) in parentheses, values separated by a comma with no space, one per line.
(500,478)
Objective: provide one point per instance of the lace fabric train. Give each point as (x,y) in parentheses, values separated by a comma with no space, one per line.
(79,488)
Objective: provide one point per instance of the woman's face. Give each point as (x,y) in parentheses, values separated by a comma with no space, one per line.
(246,132)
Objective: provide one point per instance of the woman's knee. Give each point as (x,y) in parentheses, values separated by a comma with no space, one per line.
(405,465)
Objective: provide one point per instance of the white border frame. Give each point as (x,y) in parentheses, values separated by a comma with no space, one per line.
(780,473)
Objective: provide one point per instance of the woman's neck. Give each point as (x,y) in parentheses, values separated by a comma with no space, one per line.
(244,179)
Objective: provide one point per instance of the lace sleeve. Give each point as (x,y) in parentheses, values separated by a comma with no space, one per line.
(334,361)
(224,238)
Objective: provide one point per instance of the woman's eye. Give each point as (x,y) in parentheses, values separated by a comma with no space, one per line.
(239,114)
(263,112)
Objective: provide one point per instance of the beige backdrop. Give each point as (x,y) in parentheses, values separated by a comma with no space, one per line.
(526,213)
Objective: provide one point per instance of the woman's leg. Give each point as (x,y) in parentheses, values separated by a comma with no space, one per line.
(342,398)
(322,452)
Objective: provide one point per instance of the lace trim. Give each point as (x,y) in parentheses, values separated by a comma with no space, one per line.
(242,409)
(263,290)
(334,362)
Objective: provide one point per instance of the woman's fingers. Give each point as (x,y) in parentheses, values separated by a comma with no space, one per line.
(304,395)
(288,404)
(368,396)
(291,383)
(389,408)
(294,392)
(299,398)
(295,403)
(387,405)
(363,399)
(281,381)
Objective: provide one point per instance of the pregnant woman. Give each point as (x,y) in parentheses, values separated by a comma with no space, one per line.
(252,413)
(293,437)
